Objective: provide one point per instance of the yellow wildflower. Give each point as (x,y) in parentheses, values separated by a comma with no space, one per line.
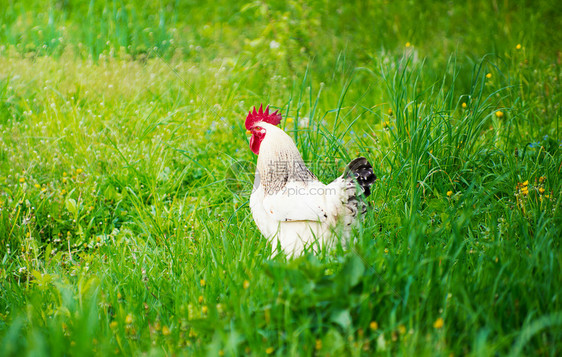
(22,179)
(203,282)
(389,111)
(200,299)
(449,193)
(464,105)
(318,344)
(373,325)
(541,179)
(438,323)
(402,329)
(113,325)
(129,319)
(221,353)
(541,190)
(499,114)
(290,120)
(408,44)
(489,75)
(246,284)
(204,309)
(386,250)
(518,47)
(165,331)
(37,185)
(269,350)
(64,174)
(79,171)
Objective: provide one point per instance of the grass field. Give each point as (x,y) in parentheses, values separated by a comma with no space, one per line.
(125,175)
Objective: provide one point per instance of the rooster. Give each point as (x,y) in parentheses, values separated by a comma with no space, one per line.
(289,204)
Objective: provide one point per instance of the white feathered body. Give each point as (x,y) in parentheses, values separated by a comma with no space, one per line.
(291,206)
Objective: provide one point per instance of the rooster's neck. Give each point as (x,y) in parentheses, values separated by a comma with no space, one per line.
(280,161)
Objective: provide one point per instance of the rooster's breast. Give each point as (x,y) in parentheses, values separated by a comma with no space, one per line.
(267,226)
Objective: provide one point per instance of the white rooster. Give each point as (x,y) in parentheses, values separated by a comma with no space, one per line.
(288,203)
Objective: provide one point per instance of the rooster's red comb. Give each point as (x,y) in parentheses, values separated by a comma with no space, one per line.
(256,116)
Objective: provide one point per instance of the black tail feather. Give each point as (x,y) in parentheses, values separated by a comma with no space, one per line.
(362,171)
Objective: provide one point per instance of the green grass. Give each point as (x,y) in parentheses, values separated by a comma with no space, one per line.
(125,174)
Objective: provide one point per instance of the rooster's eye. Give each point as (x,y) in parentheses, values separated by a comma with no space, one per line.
(258,130)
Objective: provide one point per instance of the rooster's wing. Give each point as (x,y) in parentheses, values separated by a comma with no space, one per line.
(301,201)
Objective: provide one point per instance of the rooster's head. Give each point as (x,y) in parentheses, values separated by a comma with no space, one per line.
(253,121)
